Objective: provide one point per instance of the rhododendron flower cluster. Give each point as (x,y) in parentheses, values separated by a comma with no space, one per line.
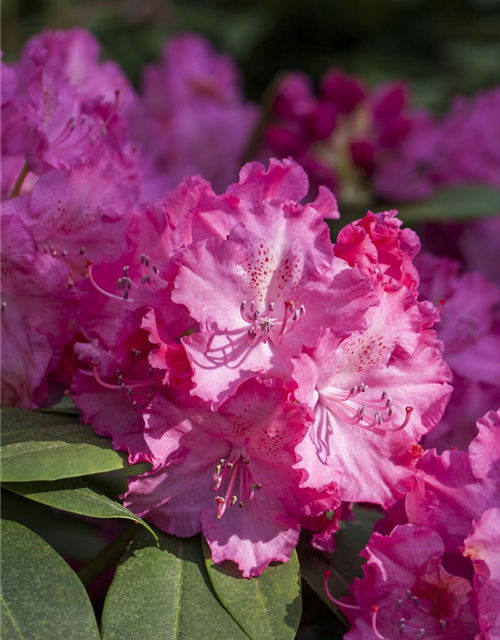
(217,365)
(201,317)
(190,117)
(469,328)
(437,573)
(372,143)
(345,135)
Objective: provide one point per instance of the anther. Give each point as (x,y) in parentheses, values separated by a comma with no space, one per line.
(415,601)
(399,604)
(4,305)
(233,501)
(82,250)
(142,257)
(246,460)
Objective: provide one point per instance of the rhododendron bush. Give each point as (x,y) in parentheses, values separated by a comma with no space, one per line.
(238,391)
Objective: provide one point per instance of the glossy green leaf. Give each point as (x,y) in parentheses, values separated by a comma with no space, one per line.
(454,204)
(164,593)
(269,606)
(45,446)
(42,598)
(76,496)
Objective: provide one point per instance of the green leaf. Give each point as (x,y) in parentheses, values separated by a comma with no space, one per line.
(164,593)
(43,446)
(76,496)
(42,599)
(345,563)
(266,607)
(454,204)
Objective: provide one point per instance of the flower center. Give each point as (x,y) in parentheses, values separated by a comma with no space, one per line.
(264,325)
(149,277)
(356,408)
(139,393)
(412,620)
(235,470)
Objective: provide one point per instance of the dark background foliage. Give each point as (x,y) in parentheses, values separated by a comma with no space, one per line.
(442,47)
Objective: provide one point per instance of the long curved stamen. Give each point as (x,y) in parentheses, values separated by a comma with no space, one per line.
(122,386)
(409,411)
(327,574)
(355,407)
(90,265)
(376,632)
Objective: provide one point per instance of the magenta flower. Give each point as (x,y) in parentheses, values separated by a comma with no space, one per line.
(279,286)
(452,490)
(470,331)
(374,394)
(191,117)
(227,473)
(64,106)
(380,249)
(36,311)
(468,152)
(483,548)
(406,592)
(342,135)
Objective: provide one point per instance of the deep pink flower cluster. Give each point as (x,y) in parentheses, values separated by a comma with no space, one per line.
(437,573)
(191,117)
(346,135)
(255,369)
(366,144)
(469,328)
(214,331)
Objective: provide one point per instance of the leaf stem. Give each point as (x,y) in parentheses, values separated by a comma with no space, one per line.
(19,182)
(107,557)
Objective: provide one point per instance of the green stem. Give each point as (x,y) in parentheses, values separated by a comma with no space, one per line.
(108,557)
(19,182)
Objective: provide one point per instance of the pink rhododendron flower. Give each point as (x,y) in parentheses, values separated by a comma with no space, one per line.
(227,473)
(483,548)
(279,286)
(406,592)
(36,311)
(470,331)
(451,490)
(380,249)
(468,149)
(191,117)
(374,394)
(74,54)
(64,106)
(80,214)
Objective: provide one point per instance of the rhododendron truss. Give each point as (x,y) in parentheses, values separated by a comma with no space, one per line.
(438,576)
